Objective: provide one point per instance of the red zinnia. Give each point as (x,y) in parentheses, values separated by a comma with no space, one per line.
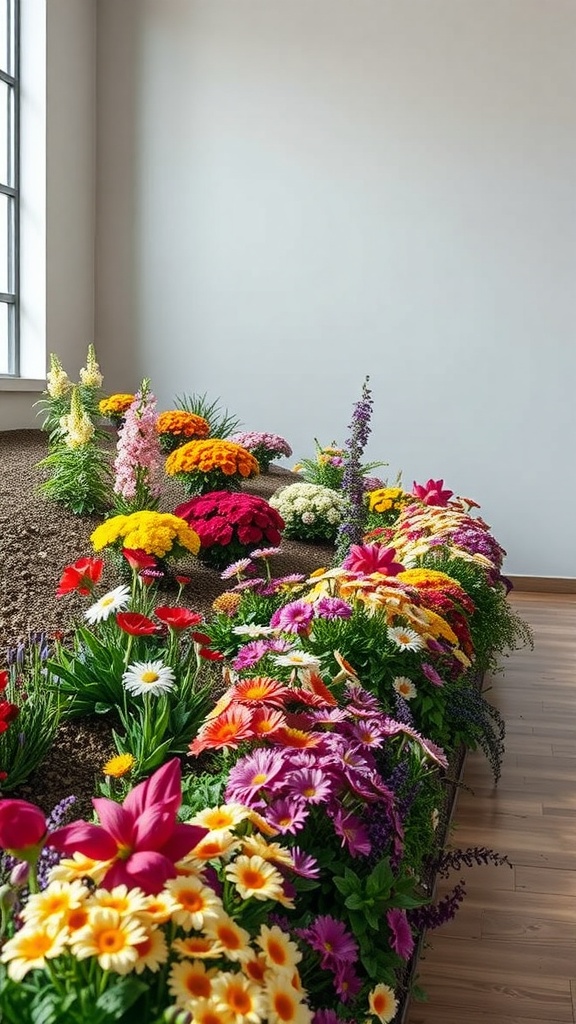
(177,618)
(3,680)
(136,624)
(82,576)
(138,559)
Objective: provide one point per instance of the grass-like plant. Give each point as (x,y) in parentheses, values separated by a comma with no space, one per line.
(222,422)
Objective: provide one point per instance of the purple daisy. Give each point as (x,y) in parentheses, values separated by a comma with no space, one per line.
(288,815)
(311,785)
(352,833)
(294,617)
(252,773)
(347,982)
(236,569)
(304,864)
(402,940)
(431,674)
(332,940)
(326,1017)
(332,608)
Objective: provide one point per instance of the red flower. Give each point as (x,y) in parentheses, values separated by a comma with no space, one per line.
(136,624)
(209,655)
(22,826)
(183,581)
(3,776)
(177,618)
(138,559)
(202,639)
(8,714)
(82,576)
(432,493)
(4,677)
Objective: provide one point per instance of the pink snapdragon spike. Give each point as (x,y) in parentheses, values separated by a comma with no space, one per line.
(432,493)
(364,559)
(140,837)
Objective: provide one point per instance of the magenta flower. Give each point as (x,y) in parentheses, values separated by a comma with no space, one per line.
(402,940)
(347,982)
(304,864)
(288,815)
(252,774)
(326,1017)
(432,493)
(330,938)
(311,785)
(140,837)
(352,833)
(332,608)
(431,674)
(364,559)
(295,617)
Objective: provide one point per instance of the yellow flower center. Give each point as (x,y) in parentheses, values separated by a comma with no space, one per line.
(35,946)
(110,941)
(239,1000)
(257,780)
(284,1006)
(149,677)
(199,986)
(105,601)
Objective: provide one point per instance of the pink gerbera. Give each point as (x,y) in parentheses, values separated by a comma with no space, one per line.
(295,617)
(252,773)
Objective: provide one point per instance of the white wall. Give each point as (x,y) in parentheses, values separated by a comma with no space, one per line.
(58,196)
(292,195)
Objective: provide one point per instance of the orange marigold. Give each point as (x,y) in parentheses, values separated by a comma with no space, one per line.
(213,454)
(182,424)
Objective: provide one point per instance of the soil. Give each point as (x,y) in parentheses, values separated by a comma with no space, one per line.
(37,539)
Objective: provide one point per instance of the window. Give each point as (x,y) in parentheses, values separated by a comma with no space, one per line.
(9,182)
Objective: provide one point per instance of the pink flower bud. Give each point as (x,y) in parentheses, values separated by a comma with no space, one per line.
(22,826)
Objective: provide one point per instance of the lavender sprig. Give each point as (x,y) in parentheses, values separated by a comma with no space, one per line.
(352,526)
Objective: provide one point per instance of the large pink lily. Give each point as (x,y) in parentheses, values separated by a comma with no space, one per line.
(141,837)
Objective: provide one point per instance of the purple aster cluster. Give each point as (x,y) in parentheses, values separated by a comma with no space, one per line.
(352,526)
(475,540)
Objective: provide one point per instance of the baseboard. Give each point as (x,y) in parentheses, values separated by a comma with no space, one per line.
(544,584)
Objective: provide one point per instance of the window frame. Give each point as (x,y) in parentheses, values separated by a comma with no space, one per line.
(11,298)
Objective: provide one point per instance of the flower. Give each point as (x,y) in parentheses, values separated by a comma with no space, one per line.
(252,773)
(311,785)
(255,877)
(22,827)
(236,568)
(195,903)
(404,686)
(294,617)
(215,818)
(297,659)
(190,981)
(432,493)
(364,559)
(77,426)
(90,375)
(138,559)
(177,618)
(31,947)
(432,675)
(226,731)
(115,405)
(177,426)
(283,1002)
(119,766)
(330,938)
(148,677)
(111,938)
(139,457)
(58,382)
(332,608)
(111,602)
(136,624)
(140,838)
(383,1003)
(82,576)
(255,689)
(402,940)
(310,511)
(233,939)
(201,457)
(404,638)
(231,524)
(8,713)
(238,998)
(156,533)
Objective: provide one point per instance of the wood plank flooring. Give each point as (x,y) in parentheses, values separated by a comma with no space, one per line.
(509,956)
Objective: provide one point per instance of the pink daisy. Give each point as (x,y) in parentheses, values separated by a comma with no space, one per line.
(295,617)
(252,773)
(287,815)
(402,940)
(330,938)
(352,833)
(311,785)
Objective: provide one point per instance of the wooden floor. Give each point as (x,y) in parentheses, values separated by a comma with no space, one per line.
(509,957)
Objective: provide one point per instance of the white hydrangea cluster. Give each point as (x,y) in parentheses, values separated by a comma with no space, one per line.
(310,511)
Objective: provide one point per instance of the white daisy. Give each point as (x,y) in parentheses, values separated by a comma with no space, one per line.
(252,630)
(405,638)
(111,602)
(405,687)
(297,659)
(148,677)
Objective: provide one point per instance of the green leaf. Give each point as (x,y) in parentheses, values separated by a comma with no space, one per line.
(117,1000)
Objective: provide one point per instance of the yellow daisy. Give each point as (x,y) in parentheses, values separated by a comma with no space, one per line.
(254,877)
(122,899)
(111,938)
(195,902)
(233,939)
(119,766)
(215,845)
(158,909)
(218,818)
(31,947)
(54,902)
(383,1003)
(239,998)
(206,1013)
(268,851)
(200,947)
(283,1003)
(78,866)
(152,952)
(279,952)
(189,980)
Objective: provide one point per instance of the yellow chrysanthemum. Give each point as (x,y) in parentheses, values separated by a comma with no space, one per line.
(432,577)
(31,947)
(437,626)
(119,766)
(385,498)
(111,938)
(206,456)
(156,533)
(228,603)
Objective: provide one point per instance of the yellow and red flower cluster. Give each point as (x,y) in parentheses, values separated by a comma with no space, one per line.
(205,456)
(182,424)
